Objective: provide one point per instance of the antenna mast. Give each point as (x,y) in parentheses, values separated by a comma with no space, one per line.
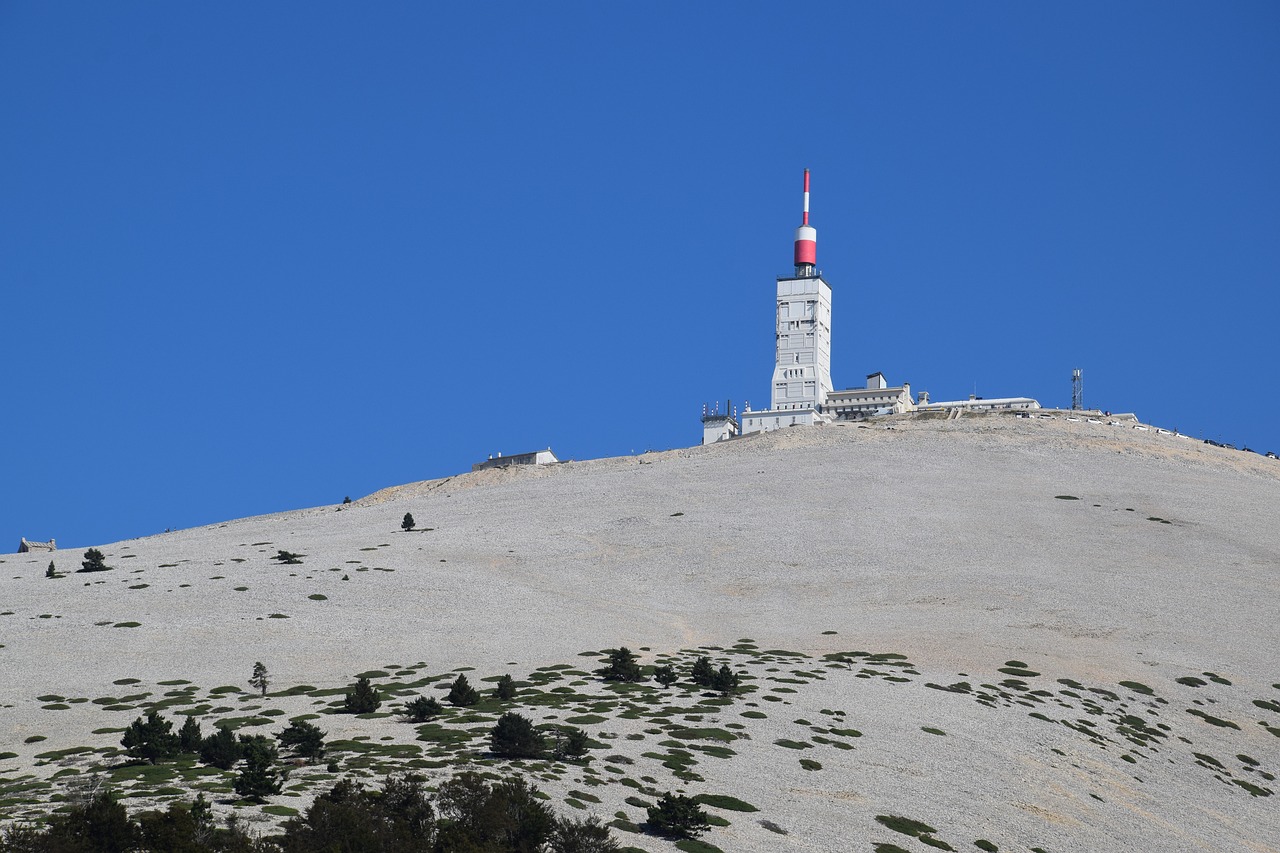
(1077,389)
(806,239)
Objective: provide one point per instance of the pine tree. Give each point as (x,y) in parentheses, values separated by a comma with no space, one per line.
(189,736)
(257,779)
(515,737)
(506,688)
(703,673)
(422,709)
(51,572)
(407,524)
(305,739)
(220,749)
(94,561)
(462,693)
(574,744)
(582,836)
(362,697)
(259,680)
(622,666)
(678,816)
(150,740)
(665,675)
(725,680)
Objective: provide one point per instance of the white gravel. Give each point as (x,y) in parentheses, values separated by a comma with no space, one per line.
(942,540)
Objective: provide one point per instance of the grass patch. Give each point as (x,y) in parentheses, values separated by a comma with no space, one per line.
(932,731)
(723,801)
(280,811)
(693,845)
(127,625)
(315,596)
(810,764)
(793,744)
(1212,720)
(905,825)
(1138,687)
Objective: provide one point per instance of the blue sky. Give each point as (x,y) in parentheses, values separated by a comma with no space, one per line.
(255,257)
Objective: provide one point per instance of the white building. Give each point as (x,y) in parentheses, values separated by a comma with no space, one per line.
(802,334)
(537,457)
(717,425)
(877,398)
(978,404)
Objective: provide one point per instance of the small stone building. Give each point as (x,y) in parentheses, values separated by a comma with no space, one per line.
(26,546)
(537,457)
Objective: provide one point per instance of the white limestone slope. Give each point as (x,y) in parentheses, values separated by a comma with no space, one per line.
(941,540)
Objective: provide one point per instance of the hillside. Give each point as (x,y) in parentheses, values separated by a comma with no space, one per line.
(1125,582)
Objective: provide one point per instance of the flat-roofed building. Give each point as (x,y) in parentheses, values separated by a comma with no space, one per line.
(978,404)
(537,457)
(877,398)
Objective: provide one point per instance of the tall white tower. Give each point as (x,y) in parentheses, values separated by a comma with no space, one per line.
(802,370)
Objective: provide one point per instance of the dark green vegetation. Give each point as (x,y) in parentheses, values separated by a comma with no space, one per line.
(93,562)
(407,523)
(515,737)
(677,816)
(305,739)
(259,680)
(561,726)
(462,693)
(468,813)
(622,666)
(362,698)
(422,708)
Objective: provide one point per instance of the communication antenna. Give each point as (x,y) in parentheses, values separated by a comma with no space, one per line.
(806,239)
(1077,389)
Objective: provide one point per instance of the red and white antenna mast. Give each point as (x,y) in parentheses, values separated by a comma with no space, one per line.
(806,239)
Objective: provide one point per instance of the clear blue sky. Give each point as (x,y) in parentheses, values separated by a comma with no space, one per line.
(255,257)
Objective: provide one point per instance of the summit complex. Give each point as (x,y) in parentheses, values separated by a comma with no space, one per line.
(802,392)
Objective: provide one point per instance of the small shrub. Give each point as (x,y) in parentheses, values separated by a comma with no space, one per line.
(573,745)
(587,836)
(422,709)
(288,558)
(678,816)
(665,675)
